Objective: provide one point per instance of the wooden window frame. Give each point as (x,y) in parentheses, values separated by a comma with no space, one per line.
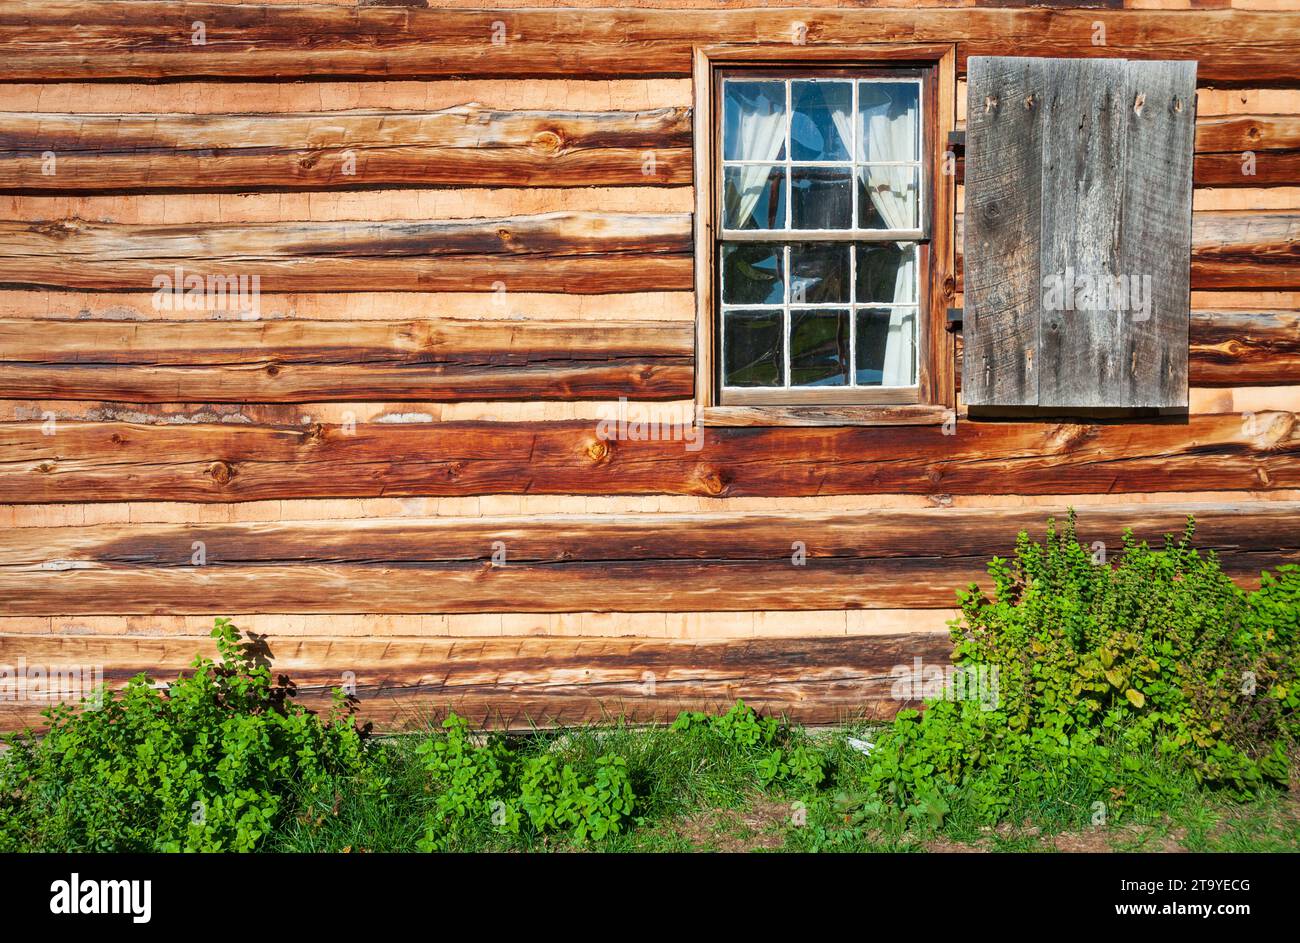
(933,400)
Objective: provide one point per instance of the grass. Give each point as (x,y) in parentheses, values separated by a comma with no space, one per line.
(705,794)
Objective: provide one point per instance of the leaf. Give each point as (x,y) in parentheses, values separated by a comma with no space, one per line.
(1135,697)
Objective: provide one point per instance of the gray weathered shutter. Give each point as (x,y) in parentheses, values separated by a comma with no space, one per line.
(1078,225)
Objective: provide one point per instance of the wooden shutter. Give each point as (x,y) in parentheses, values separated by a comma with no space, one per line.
(1078,184)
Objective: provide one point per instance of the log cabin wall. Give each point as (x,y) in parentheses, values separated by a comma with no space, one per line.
(463,265)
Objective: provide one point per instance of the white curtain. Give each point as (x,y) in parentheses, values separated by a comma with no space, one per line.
(761,137)
(890,137)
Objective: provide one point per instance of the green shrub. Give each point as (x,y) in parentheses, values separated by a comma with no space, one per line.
(213,762)
(1095,665)
(474,784)
(779,759)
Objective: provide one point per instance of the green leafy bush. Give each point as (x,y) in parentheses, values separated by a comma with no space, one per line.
(780,760)
(1097,664)
(212,762)
(492,782)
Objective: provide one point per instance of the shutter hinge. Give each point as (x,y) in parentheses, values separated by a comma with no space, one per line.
(954,319)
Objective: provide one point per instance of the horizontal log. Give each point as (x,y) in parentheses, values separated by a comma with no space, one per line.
(219,463)
(465,145)
(1232,134)
(638,563)
(304,361)
(448,360)
(1243,348)
(584,253)
(151,39)
(1258,251)
(458,146)
(517,682)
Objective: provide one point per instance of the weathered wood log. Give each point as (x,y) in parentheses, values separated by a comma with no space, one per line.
(1234,348)
(343,150)
(1258,251)
(584,253)
(516,682)
(448,360)
(305,361)
(458,146)
(219,463)
(91,39)
(673,563)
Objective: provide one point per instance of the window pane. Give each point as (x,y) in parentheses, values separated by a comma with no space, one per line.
(821,198)
(886,272)
(752,349)
(886,347)
(819,272)
(753,274)
(819,348)
(887,121)
(821,124)
(753,197)
(887,197)
(753,121)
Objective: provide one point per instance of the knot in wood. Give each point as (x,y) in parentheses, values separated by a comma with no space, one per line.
(1139,103)
(221,472)
(58,228)
(712,481)
(549,141)
(600,451)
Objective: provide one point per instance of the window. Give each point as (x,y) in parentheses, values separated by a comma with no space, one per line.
(821,240)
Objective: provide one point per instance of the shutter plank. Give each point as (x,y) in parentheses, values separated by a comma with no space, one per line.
(1157,232)
(1001,240)
(1084,353)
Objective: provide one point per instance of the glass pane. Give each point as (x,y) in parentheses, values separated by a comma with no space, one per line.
(887,113)
(886,272)
(820,198)
(753,121)
(753,274)
(821,124)
(753,197)
(819,348)
(819,272)
(752,348)
(887,197)
(886,347)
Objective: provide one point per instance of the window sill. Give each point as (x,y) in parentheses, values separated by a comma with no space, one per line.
(861,415)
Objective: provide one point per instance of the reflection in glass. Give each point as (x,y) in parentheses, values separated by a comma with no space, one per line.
(753,116)
(753,197)
(819,272)
(887,197)
(752,349)
(753,274)
(886,272)
(886,347)
(820,198)
(821,123)
(887,113)
(819,348)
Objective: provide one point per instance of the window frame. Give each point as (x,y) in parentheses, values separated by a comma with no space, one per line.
(932,399)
